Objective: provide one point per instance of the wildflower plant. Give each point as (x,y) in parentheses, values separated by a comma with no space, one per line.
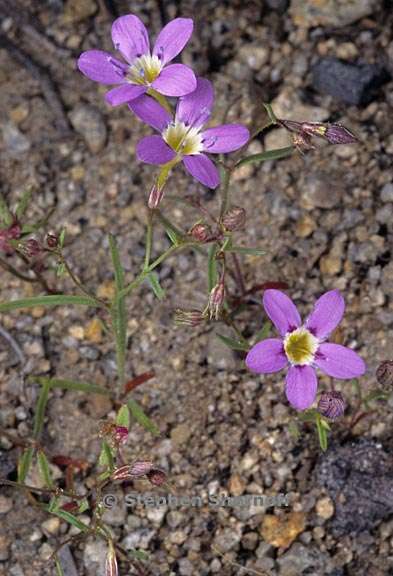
(178,105)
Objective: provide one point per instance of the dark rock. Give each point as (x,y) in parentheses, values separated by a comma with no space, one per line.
(278,5)
(355,84)
(359,478)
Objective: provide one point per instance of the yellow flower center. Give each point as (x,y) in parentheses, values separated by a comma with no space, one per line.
(182,138)
(300,346)
(144,70)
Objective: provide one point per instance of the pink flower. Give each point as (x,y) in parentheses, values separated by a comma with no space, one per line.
(142,70)
(304,346)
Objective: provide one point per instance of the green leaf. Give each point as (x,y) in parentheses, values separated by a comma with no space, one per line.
(61,270)
(139,555)
(234,344)
(52,300)
(23,204)
(71,519)
(308,415)
(59,569)
(5,214)
(40,408)
(244,250)
(267,155)
(293,429)
(142,418)
(70,385)
(322,433)
(24,464)
(83,506)
(62,238)
(272,117)
(212,267)
(155,285)
(44,469)
(123,417)
(263,332)
(106,457)
(119,313)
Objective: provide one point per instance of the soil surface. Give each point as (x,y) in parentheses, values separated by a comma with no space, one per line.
(325,220)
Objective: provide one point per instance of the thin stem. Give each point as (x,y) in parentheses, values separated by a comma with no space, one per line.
(149,238)
(78,283)
(9,268)
(239,274)
(225,192)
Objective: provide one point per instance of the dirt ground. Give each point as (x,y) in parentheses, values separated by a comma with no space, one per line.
(325,220)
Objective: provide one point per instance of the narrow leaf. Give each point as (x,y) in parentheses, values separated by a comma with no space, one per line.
(52,300)
(142,418)
(267,155)
(212,267)
(244,250)
(272,117)
(155,285)
(71,519)
(5,214)
(123,417)
(23,204)
(263,332)
(322,434)
(24,464)
(71,385)
(40,408)
(234,344)
(59,569)
(106,456)
(44,468)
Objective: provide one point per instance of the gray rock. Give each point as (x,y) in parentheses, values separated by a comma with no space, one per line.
(15,141)
(337,13)
(304,559)
(321,190)
(355,84)
(89,123)
(387,192)
(185,567)
(387,279)
(359,478)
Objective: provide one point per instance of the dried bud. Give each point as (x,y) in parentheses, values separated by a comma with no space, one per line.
(122,473)
(155,197)
(331,404)
(302,142)
(140,468)
(333,133)
(234,219)
(385,374)
(111,561)
(201,232)
(156,477)
(32,248)
(120,435)
(52,240)
(188,317)
(216,300)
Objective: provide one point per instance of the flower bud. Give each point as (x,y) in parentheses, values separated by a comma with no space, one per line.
(216,300)
(7,234)
(188,317)
(302,142)
(234,219)
(385,374)
(337,134)
(111,561)
(140,468)
(52,240)
(156,477)
(122,473)
(31,248)
(331,404)
(120,435)
(155,197)
(201,232)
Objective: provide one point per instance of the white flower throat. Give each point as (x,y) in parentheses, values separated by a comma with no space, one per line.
(183,139)
(144,70)
(300,346)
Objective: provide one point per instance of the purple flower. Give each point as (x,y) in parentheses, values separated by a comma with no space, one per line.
(143,70)
(184,139)
(303,346)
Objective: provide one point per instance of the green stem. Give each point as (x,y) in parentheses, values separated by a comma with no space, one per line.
(149,238)
(225,192)
(160,99)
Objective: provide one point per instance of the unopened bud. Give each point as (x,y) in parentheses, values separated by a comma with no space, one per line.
(31,248)
(331,404)
(302,142)
(156,476)
(385,374)
(337,134)
(52,240)
(234,219)
(122,473)
(111,568)
(333,133)
(188,317)
(201,232)
(140,468)
(216,300)
(7,234)
(120,435)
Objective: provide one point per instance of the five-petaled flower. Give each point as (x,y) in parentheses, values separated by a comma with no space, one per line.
(303,346)
(144,70)
(184,139)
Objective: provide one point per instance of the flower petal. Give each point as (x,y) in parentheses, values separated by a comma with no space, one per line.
(224,138)
(327,313)
(339,361)
(172,38)
(301,386)
(151,112)
(175,80)
(266,357)
(153,150)
(130,37)
(281,311)
(203,169)
(102,67)
(124,93)
(195,108)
